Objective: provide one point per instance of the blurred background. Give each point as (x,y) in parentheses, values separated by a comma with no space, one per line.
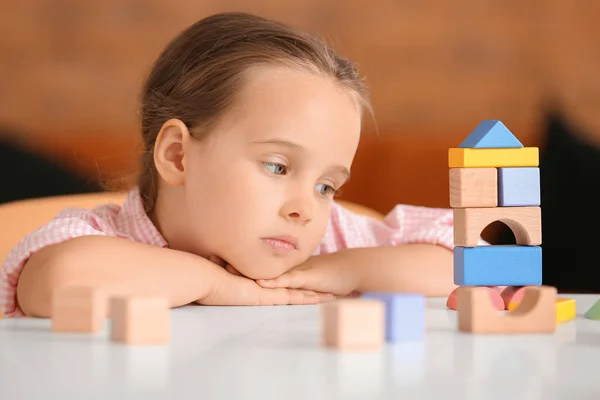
(71,72)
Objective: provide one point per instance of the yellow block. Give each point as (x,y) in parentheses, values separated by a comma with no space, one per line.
(565,309)
(493,158)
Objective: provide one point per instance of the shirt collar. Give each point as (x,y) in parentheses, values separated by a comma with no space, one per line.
(140,225)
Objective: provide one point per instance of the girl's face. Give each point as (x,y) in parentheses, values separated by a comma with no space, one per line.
(257,192)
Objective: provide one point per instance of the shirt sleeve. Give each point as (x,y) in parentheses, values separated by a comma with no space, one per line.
(68,224)
(404,224)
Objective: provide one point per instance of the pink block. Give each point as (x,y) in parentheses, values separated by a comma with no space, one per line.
(512,294)
(497,300)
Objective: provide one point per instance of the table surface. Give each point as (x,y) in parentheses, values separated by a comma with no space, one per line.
(275,353)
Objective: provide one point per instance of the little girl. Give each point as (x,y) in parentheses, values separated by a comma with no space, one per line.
(250,128)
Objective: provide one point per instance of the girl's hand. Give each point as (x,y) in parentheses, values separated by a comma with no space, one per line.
(232,289)
(327,273)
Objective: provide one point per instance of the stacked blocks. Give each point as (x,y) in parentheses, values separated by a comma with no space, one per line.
(493,177)
(368,322)
(480,189)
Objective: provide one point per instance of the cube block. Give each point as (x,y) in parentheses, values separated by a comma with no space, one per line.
(140,320)
(355,324)
(473,187)
(518,187)
(404,315)
(506,265)
(78,309)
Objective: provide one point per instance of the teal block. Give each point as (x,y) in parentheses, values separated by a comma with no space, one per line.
(593,312)
(506,265)
(490,134)
(519,187)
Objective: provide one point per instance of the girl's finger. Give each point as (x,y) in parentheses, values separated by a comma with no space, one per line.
(292,280)
(232,270)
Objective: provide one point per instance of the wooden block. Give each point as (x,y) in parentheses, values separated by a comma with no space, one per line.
(78,309)
(353,324)
(489,158)
(525,223)
(518,187)
(491,134)
(404,315)
(535,314)
(496,299)
(593,312)
(512,294)
(473,187)
(505,265)
(566,309)
(139,320)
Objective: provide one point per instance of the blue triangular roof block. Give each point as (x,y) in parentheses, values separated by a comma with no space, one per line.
(491,134)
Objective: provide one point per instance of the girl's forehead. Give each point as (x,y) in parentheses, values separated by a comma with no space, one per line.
(274,94)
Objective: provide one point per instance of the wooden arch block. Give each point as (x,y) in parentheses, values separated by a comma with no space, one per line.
(535,314)
(566,309)
(525,223)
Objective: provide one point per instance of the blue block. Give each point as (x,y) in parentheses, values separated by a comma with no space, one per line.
(519,187)
(491,134)
(404,315)
(506,265)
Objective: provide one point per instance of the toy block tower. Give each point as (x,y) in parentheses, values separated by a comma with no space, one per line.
(493,177)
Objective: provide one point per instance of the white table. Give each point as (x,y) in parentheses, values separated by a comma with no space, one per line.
(274,353)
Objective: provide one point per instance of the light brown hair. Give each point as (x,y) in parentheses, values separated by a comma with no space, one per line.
(195,79)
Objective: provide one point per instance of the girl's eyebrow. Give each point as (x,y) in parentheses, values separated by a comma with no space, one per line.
(292,145)
(281,142)
(342,170)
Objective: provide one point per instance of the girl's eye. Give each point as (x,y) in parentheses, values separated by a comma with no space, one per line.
(276,168)
(325,190)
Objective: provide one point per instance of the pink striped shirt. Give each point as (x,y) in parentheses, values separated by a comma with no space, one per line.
(404,224)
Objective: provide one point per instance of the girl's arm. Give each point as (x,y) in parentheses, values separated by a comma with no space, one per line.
(408,268)
(124,266)
(105,261)
(414,268)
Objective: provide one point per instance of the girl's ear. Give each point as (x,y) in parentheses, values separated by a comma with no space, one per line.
(169,152)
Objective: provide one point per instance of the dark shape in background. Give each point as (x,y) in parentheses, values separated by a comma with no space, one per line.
(569,173)
(27,175)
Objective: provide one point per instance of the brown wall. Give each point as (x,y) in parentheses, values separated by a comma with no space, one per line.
(71,70)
